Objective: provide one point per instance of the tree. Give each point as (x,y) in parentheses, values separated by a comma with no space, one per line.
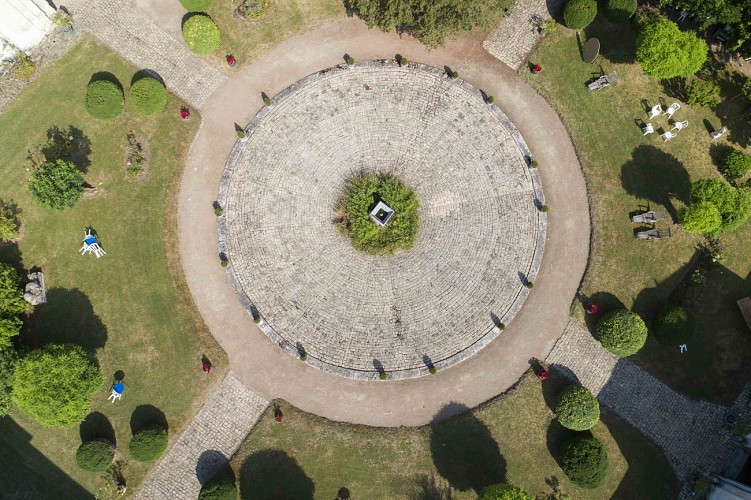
(54,384)
(8,221)
(622,332)
(12,304)
(504,491)
(734,13)
(701,218)
(733,204)
(95,455)
(56,185)
(578,14)
(577,408)
(584,459)
(664,51)
(621,10)
(149,443)
(8,359)
(735,165)
(672,325)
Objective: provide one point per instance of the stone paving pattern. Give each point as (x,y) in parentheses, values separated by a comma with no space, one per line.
(207,444)
(517,35)
(130,33)
(691,433)
(479,227)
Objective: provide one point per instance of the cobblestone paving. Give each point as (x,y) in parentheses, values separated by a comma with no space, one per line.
(517,34)
(214,435)
(691,433)
(480,233)
(126,30)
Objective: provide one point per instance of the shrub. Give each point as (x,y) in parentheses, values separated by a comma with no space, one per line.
(224,262)
(254,9)
(218,211)
(534,164)
(11,292)
(622,332)
(383,375)
(149,443)
(8,226)
(149,96)
(736,165)
(303,357)
(104,100)
(733,204)
(256,319)
(529,284)
(240,134)
(8,359)
(544,208)
(94,456)
(25,69)
(672,325)
(702,92)
(56,185)
(220,487)
(701,218)
(577,408)
(584,459)
(266,100)
(432,370)
(490,99)
(201,34)
(578,14)
(620,10)
(54,384)
(664,51)
(350,60)
(504,492)
(196,5)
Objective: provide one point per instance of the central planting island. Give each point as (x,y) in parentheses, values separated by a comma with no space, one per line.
(433,302)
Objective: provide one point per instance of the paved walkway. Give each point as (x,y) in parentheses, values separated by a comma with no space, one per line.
(517,35)
(207,444)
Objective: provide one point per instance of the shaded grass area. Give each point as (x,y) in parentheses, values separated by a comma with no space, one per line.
(130,307)
(626,172)
(512,438)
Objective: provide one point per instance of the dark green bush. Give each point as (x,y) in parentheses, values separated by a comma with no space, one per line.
(620,10)
(584,459)
(196,5)
(504,491)
(577,408)
(56,185)
(672,325)
(149,96)
(8,359)
(702,92)
(701,218)
(622,332)
(94,456)
(104,100)
(664,51)
(383,375)
(736,165)
(12,305)
(578,14)
(201,34)
(220,487)
(350,60)
(733,204)
(149,443)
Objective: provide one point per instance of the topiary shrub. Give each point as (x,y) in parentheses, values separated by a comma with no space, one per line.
(56,185)
(104,100)
(672,325)
(622,332)
(148,95)
(149,443)
(578,14)
(577,408)
(736,165)
(220,487)
(701,218)
(201,34)
(196,5)
(584,459)
(620,10)
(504,491)
(94,456)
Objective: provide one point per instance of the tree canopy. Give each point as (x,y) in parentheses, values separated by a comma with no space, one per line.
(12,304)
(735,13)
(622,332)
(577,408)
(701,218)
(664,51)
(56,185)
(7,368)
(733,204)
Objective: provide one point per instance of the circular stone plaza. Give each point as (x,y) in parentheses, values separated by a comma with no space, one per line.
(477,249)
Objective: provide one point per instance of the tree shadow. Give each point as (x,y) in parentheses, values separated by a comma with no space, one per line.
(651,299)
(464,451)
(146,73)
(718,152)
(68,316)
(605,302)
(106,76)
(273,474)
(617,40)
(145,416)
(656,176)
(69,144)
(427,487)
(209,464)
(95,426)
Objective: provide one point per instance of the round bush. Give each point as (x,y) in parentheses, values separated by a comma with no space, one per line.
(622,332)
(149,443)
(504,491)
(578,14)
(584,459)
(56,185)
(620,10)
(221,487)
(149,95)
(94,456)
(104,100)
(672,325)
(201,34)
(577,408)
(196,5)
(736,165)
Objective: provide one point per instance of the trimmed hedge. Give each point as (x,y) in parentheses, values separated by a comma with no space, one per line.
(149,443)
(220,487)
(584,459)
(622,332)
(577,408)
(620,10)
(578,14)
(201,34)
(672,325)
(104,100)
(196,5)
(149,95)
(504,491)
(94,456)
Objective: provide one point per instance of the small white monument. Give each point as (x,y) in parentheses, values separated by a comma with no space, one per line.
(381,214)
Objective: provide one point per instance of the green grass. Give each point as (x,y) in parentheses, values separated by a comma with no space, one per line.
(512,437)
(624,171)
(130,307)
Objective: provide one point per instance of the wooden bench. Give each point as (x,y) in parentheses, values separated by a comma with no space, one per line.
(745,306)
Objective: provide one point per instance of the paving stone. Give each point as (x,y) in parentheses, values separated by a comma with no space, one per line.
(479,227)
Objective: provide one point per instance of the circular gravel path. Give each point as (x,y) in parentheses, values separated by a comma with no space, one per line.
(480,238)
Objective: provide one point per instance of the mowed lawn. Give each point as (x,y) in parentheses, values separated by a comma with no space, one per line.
(626,171)
(513,438)
(129,308)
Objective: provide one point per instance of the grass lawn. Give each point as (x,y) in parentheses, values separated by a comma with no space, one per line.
(512,437)
(130,307)
(625,170)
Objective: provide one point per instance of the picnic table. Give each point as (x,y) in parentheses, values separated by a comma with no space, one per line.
(590,50)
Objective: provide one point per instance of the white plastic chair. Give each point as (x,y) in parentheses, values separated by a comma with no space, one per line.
(649,129)
(90,245)
(672,109)
(668,135)
(655,111)
(683,16)
(115,395)
(716,134)
(680,125)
